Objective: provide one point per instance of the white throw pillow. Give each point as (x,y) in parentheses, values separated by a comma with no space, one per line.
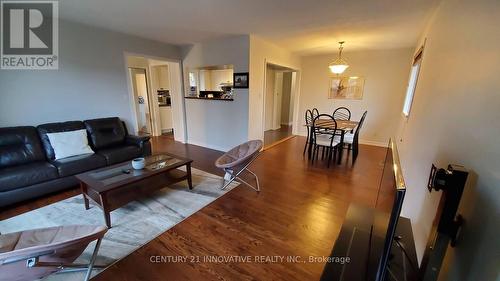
(72,143)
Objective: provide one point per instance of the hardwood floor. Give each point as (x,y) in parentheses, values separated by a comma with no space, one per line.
(299,212)
(275,136)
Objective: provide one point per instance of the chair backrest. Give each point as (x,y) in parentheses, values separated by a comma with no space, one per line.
(315,112)
(319,128)
(309,117)
(361,121)
(342,113)
(240,155)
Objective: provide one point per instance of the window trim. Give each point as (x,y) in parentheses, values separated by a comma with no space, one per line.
(417,62)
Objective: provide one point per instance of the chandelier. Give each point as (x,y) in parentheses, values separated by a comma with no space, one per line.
(339,65)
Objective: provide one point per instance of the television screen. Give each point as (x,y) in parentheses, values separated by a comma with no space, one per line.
(367,233)
(389,202)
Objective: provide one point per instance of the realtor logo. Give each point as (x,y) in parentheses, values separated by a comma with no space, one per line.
(29,38)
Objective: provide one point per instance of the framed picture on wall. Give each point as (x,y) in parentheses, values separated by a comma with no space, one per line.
(349,88)
(240,80)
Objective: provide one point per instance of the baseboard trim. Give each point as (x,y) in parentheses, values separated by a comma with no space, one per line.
(373,143)
(214,147)
(278,142)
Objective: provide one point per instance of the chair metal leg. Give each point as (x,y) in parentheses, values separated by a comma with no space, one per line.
(307,142)
(226,184)
(92,260)
(328,157)
(71,267)
(256,179)
(237,176)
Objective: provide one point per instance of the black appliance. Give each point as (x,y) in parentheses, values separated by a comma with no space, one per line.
(447,223)
(164,98)
(211,94)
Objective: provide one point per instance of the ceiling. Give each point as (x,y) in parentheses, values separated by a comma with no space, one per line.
(301,26)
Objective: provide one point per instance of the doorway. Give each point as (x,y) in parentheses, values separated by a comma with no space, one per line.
(156,88)
(278,104)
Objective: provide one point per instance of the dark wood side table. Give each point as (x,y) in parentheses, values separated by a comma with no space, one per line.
(114,186)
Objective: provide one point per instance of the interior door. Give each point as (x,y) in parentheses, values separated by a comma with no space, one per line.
(278,95)
(141,100)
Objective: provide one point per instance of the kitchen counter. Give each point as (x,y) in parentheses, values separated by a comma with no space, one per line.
(200,98)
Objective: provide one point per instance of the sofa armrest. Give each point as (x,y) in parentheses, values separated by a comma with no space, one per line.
(142,142)
(136,140)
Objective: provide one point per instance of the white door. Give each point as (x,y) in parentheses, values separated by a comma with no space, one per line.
(278,94)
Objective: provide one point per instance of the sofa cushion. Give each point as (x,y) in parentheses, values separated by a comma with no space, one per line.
(25,175)
(45,129)
(120,153)
(19,145)
(78,164)
(105,132)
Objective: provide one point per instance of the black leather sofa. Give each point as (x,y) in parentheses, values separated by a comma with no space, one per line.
(28,168)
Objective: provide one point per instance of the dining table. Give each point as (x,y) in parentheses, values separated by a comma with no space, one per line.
(342,125)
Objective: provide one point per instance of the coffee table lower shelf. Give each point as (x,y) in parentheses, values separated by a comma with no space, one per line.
(113,199)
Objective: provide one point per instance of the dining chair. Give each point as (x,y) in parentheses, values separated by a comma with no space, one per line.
(309,120)
(315,112)
(342,113)
(324,139)
(351,141)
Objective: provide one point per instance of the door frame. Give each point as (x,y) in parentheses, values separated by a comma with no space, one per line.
(294,95)
(177,94)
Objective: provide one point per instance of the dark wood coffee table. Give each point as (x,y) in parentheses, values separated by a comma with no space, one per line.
(114,186)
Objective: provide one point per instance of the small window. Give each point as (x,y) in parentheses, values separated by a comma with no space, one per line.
(412,82)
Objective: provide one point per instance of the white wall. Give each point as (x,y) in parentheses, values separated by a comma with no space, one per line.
(386,75)
(261,53)
(218,124)
(454,120)
(91,81)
